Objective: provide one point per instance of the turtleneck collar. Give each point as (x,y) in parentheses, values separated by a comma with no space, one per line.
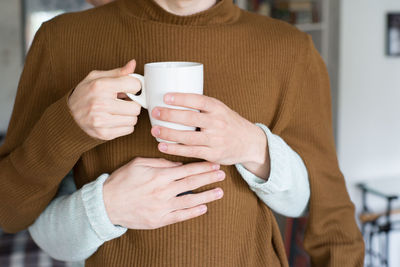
(223,12)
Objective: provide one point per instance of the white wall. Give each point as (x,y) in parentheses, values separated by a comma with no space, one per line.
(368,136)
(10,58)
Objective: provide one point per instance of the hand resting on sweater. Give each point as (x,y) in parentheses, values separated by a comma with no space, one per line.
(144,194)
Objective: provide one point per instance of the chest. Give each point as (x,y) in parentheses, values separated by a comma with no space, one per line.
(241,74)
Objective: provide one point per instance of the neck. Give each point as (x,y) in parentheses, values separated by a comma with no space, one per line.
(185,7)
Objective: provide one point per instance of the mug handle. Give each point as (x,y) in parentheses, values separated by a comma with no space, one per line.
(140,99)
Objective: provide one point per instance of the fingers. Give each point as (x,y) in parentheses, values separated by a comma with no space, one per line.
(191,200)
(122,96)
(196,181)
(124,107)
(115,85)
(156,162)
(189,169)
(182,137)
(117,121)
(183,215)
(185,117)
(121,131)
(125,70)
(112,133)
(195,101)
(200,152)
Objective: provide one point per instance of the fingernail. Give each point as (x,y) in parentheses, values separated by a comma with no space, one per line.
(156,131)
(163,147)
(179,163)
(156,112)
(218,193)
(169,98)
(220,174)
(215,166)
(203,209)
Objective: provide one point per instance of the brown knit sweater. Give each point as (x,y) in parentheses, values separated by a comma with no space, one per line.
(264,69)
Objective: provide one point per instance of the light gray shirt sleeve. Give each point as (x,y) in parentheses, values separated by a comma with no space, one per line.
(74,226)
(287,189)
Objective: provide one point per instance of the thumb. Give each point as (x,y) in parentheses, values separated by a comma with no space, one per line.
(118,72)
(128,68)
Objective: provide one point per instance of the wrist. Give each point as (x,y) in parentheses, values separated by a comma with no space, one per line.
(108,201)
(256,158)
(256,149)
(93,202)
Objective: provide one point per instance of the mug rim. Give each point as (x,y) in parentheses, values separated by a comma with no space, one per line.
(175,64)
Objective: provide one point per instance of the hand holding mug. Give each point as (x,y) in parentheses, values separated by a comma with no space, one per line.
(163,77)
(97,107)
(225,137)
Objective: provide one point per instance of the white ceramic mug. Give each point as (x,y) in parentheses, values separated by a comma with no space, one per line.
(165,77)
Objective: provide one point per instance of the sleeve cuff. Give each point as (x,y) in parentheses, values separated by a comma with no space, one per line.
(65,132)
(278,170)
(56,140)
(92,197)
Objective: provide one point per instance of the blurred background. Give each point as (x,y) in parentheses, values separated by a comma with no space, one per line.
(360,43)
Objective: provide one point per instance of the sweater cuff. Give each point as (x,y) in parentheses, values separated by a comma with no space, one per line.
(92,197)
(64,131)
(55,139)
(276,181)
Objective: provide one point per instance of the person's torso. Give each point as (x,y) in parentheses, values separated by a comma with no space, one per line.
(246,69)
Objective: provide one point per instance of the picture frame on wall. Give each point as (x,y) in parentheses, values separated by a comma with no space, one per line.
(393,35)
(35,12)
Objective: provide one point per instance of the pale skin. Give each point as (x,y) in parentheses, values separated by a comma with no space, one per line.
(99,2)
(142,194)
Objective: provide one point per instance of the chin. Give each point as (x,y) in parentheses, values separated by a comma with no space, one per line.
(98,2)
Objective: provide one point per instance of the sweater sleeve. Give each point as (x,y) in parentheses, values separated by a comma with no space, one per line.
(43,141)
(332,237)
(75,225)
(286,190)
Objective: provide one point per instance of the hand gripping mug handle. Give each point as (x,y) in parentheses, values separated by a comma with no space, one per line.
(140,99)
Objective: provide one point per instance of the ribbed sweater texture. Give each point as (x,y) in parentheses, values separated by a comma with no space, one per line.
(264,69)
